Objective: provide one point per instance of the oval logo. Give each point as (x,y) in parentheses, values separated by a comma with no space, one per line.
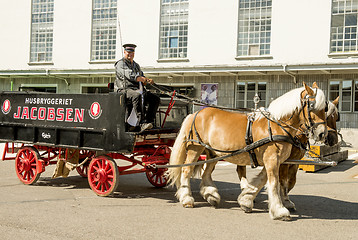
(6,106)
(95,110)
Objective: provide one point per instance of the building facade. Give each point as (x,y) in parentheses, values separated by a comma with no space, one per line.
(242,47)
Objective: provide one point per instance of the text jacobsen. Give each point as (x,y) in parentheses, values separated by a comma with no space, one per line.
(50,114)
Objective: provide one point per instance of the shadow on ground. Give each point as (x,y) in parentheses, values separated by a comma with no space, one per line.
(137,186)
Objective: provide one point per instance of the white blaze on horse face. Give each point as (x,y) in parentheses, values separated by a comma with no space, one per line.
(319,133)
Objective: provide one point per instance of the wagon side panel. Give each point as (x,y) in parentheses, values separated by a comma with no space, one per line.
(88,121)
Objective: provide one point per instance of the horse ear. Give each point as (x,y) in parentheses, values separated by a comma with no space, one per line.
(335,102)
(308,89)
(314,85)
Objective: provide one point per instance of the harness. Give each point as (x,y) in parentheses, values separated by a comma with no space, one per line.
(251,145)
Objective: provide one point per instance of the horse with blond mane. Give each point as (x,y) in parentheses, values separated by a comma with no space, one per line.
(288,172)
(221,133)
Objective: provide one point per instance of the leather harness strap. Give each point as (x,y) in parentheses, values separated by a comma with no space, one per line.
(250,145)
(249,140)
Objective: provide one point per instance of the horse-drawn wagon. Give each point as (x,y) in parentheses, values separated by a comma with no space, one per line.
(93,127)
(41,129)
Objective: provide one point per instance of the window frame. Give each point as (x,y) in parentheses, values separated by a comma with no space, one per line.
(30,85)
(246,82)
(41,32)
(335,36)
(94,85)
(353,93)
(247,35)
(166,32)
(110,29)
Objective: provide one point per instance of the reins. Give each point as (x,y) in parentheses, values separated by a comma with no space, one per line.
(250,145)
(186,99)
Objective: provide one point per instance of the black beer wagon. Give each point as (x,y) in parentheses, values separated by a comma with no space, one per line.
(44,128)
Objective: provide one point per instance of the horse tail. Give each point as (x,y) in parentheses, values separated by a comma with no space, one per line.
(178,154)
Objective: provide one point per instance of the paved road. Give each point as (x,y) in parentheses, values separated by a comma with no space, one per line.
(327,208)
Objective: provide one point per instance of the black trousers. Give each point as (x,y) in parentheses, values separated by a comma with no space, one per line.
(151,102)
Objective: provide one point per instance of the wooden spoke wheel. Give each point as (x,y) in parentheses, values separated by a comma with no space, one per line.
(26,165)
(157,177)
(103,175)
(83,169)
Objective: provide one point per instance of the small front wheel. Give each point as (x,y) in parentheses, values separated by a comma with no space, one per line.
(103,175)
(26,162)
(83,169)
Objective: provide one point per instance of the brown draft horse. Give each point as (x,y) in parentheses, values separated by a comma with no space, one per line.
(288,172)
(221,131)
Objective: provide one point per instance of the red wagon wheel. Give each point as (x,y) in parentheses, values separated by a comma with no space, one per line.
(26,165)
(157,177)
(103,175)
(83,169)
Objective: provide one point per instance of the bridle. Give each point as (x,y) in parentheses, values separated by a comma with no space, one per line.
(310,102)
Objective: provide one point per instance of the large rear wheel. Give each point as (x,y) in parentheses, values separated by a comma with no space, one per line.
(103,175)
(26,162)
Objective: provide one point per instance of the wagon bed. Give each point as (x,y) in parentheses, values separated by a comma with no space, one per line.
(44,128)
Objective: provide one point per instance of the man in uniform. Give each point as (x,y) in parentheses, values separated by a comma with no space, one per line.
(130,78)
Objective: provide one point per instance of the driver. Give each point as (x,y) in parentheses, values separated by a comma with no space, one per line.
(131,79)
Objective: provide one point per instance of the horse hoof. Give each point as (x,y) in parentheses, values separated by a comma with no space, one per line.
(245,203)
(280,214)
(246,209)
(284,218)
(188,202)
(214,201)
(291,209)
(289,205)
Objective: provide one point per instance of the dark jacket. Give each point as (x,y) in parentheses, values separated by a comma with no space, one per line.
(126,75)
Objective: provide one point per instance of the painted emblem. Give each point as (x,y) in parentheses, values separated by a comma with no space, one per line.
(95,110)
(6,106)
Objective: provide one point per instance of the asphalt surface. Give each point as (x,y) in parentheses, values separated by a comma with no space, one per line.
(66,208)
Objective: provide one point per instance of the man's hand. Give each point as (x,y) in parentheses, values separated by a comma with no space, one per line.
(149,80)
(145,80)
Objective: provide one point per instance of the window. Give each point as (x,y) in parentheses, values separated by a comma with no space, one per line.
(245,93)
(173,29)
(344,26)
(49,88)
(254,27)
(104,30)
(41,31)
(95,89)
(348,92)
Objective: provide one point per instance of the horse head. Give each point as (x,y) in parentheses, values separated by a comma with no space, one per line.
(313,112)
(332,117)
